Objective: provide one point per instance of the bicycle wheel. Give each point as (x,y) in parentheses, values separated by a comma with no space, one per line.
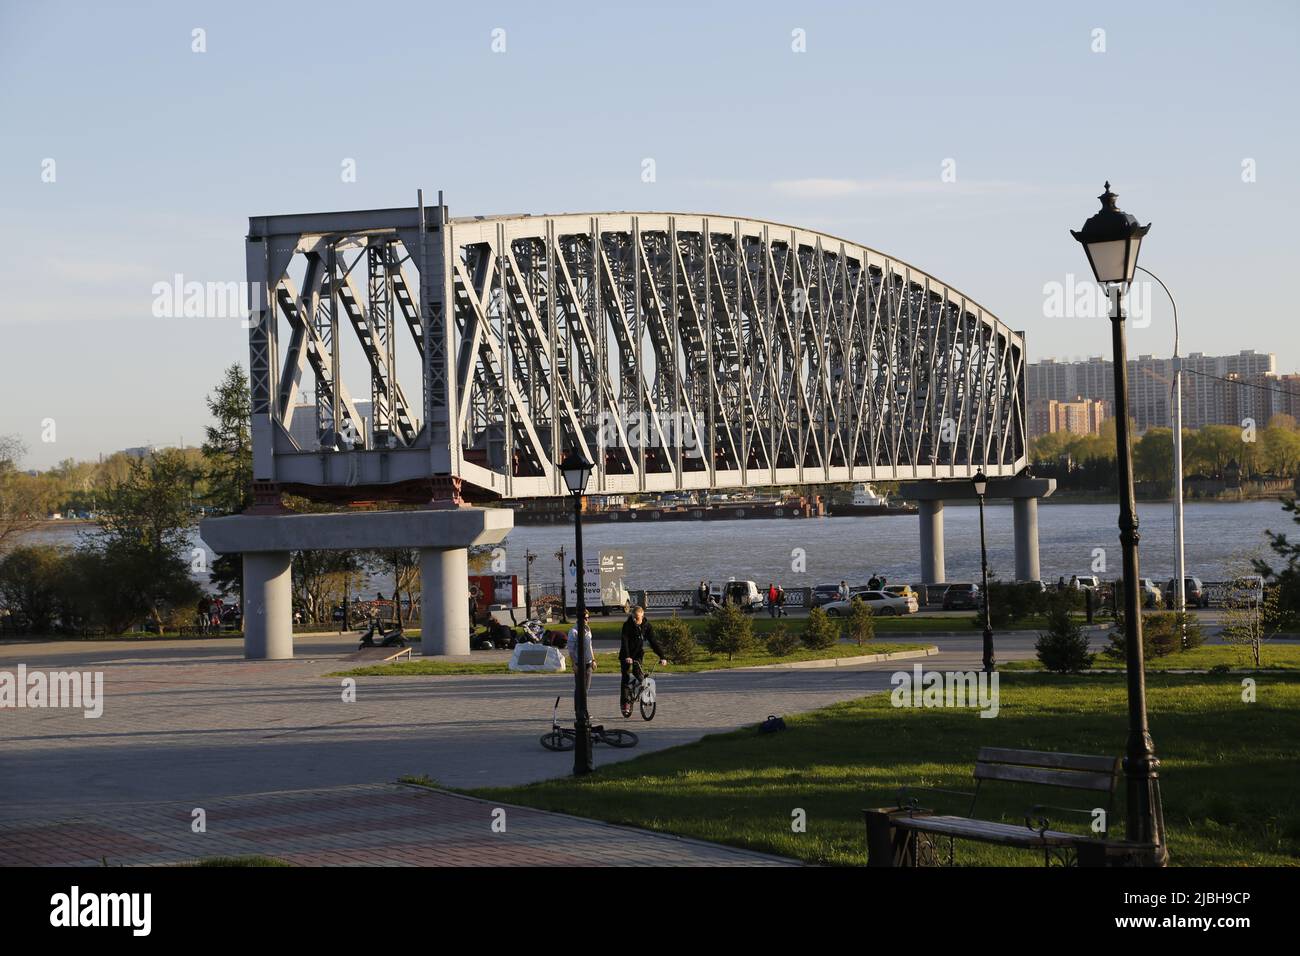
(648,709)
(558,740)
(618,738)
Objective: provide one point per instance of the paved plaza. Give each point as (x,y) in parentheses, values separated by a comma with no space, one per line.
(283,766)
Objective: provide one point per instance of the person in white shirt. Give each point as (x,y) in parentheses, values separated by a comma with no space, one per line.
(587,649)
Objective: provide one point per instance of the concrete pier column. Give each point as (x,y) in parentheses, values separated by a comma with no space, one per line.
(931,513)
(444,601)
(268,606)
(1025,520)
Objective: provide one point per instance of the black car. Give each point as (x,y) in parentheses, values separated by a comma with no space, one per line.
(961,597)
(825,594)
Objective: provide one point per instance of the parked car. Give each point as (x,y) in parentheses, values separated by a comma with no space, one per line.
(743,593)
(886,605)
(902,590)
(1150,591)
(962,597)
(1194,593)
(1085,582)
(824,594)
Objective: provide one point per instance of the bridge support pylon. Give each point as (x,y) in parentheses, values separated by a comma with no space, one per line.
(444,602)
(931,513)
(441,536)
(268,606)
(930,496)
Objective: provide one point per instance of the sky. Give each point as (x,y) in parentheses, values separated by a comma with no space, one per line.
(962,138)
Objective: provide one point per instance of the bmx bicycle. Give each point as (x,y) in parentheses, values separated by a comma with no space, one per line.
(641,688)
(566,738)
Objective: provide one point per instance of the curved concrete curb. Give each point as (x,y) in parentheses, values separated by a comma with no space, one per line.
(834,661)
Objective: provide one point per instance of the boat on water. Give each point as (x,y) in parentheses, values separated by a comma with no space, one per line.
(866,501)
(554,511)
(616,509)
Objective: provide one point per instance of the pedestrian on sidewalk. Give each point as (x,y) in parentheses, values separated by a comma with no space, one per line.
(588,652)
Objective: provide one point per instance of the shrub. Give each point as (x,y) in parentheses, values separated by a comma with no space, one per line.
(1063,649)
(1163,633)
(677,640)
(820,632)
(861,626)
(729,631)
(1009,603)
(780,642)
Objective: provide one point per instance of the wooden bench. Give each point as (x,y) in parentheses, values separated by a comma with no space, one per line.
(904,835)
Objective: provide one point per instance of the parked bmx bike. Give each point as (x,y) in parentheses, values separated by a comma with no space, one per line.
(566,738)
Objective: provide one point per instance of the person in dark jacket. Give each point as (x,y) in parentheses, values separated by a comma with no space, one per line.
(637,632)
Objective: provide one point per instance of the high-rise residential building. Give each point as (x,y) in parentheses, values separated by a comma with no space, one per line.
(1217,389)
(1082,416)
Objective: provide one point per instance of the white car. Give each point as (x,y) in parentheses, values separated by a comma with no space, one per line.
(886,605)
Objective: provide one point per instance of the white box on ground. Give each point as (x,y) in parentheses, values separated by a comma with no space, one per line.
(536,657)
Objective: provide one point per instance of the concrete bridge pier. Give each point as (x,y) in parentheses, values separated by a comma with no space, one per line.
(1024,518)
(444,601)
(268,606)
(442,537)
(930,496)
(931,514)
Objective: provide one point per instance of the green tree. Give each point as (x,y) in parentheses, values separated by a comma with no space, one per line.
(819,631)
(21,504)
(1279,447)
(145,525)
(860,624)
(677,639)
(729,631)
(1063,649)
(1153,456)
(228,454)
(31,586)
(1286,578)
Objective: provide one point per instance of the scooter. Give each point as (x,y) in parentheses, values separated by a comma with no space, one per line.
(388,638)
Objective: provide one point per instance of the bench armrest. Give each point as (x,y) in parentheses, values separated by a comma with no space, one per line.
(1036,819)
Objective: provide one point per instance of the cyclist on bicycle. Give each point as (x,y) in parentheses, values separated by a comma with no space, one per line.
(637,632)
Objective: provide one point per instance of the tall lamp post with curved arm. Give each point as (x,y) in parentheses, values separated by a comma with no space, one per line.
(1176,401)
(981,484)
(1112,238)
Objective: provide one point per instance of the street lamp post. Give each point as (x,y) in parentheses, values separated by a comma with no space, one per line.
(564,597)
(1112,238)
(981,483)
(576,472)
(1176,400)
(529,558)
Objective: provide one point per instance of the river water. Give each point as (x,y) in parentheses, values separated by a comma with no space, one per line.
(1221,538)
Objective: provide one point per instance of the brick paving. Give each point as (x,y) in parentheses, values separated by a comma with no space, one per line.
(277,758)
(375,825)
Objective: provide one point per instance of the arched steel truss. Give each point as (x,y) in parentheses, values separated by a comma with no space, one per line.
(761,355)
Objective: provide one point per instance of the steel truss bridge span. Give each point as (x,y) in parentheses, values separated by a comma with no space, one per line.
(676,351)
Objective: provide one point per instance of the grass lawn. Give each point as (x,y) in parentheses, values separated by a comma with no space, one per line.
(1228,772)
(1284,657)
(607,662)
